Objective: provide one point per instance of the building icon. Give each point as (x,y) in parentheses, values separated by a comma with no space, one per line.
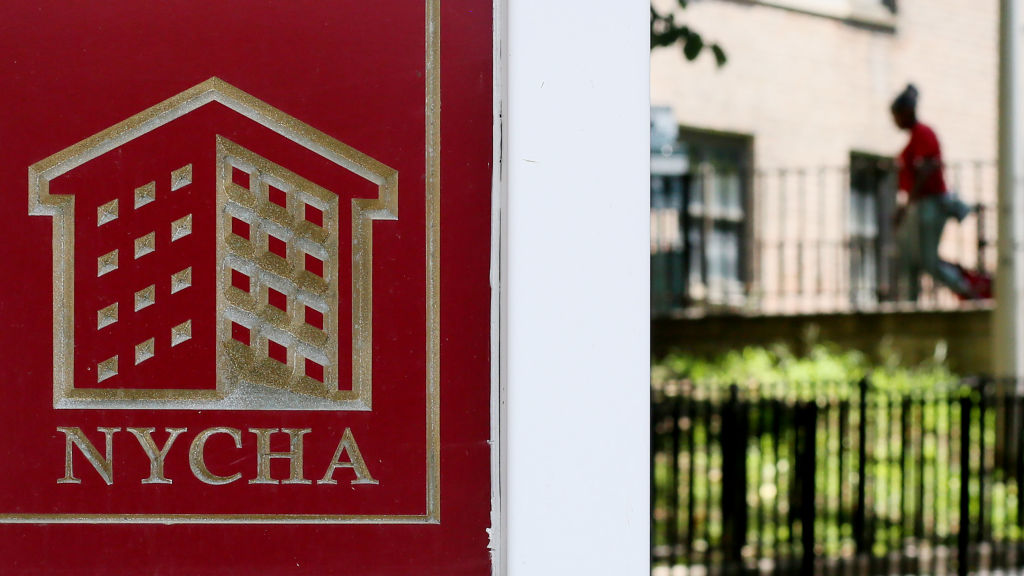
(212,252)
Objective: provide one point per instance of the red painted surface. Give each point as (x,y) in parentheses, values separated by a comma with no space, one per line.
(354,70)
(277,299)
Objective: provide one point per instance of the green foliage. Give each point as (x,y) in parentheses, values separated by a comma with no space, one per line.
(825,365)
(666,31)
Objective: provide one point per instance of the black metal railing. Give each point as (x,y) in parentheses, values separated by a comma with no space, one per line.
(836,478)
(803,240)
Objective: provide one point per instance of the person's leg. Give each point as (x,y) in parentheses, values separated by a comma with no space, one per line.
(932,220)
(908,237)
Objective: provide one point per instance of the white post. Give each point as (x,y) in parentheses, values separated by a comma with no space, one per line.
(1009,293)
(576,280)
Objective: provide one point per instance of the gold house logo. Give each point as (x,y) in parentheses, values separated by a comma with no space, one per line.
(206,275)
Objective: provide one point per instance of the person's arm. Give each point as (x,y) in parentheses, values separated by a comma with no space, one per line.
(926,157)
(923,169)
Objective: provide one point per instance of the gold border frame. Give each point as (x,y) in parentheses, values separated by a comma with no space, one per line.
(41,203)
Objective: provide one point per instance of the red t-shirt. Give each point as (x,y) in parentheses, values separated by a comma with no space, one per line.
(923,145)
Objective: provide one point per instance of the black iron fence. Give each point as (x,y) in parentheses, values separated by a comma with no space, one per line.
(842,478)
(803,240)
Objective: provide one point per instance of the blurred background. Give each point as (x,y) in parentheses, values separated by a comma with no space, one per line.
(819,407)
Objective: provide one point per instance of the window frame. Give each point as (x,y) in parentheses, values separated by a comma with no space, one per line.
(884,288)
(875,13)
(696,142)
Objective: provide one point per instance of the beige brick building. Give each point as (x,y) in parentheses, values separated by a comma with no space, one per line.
(787,218)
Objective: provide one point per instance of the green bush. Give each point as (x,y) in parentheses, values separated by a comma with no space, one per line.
(824,366)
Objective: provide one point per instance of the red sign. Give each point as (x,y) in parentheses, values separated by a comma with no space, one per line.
(247,300)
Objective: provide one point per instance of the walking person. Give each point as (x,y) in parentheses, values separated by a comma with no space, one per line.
(921,220)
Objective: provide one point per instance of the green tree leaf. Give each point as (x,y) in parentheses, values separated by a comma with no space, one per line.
(720,57)
(665,32)
(693,45)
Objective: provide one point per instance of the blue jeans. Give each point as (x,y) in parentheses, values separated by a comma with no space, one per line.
(919,236)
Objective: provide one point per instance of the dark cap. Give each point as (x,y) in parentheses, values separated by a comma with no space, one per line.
(907,100)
